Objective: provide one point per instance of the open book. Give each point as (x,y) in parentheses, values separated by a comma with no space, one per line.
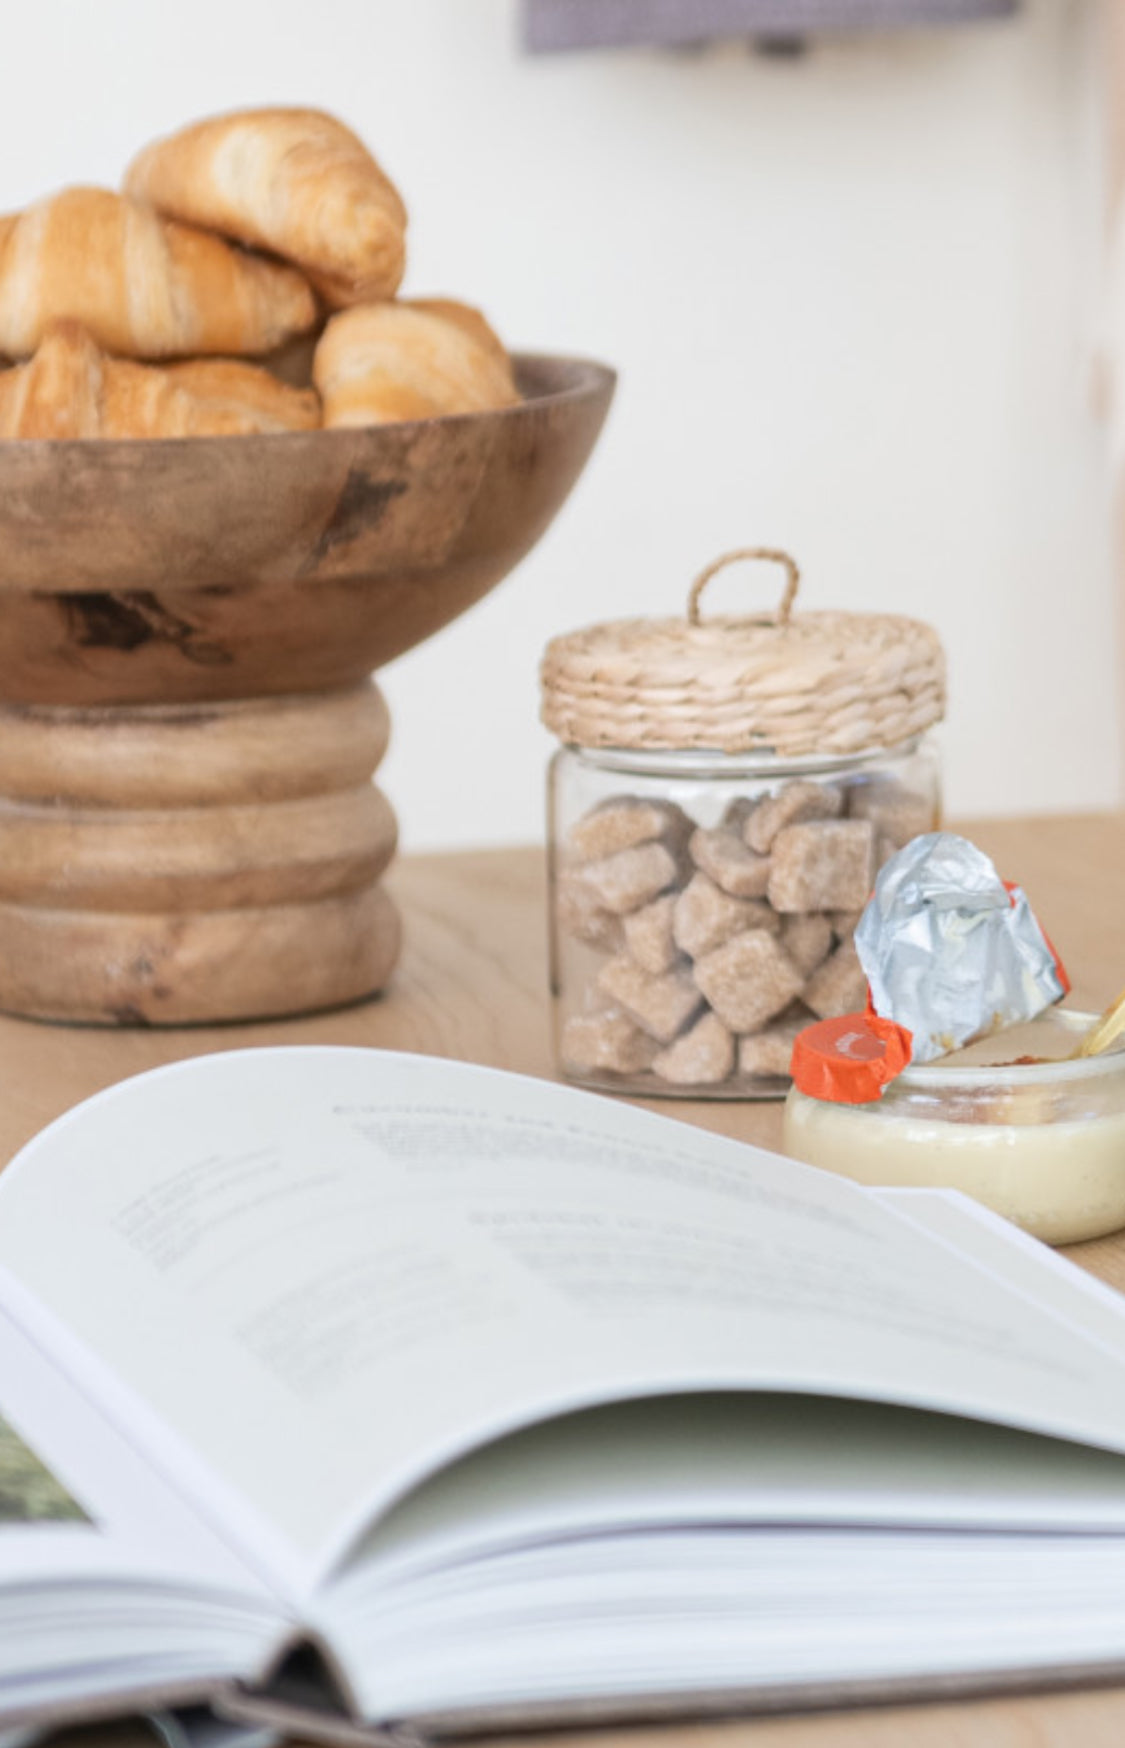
(397,1392)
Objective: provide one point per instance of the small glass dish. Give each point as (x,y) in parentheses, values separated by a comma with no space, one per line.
(1008,1120)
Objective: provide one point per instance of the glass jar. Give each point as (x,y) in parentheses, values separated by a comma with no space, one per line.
(1009,1120)
(658,986)
(704,886)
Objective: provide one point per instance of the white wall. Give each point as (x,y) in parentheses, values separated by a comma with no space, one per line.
(851,297)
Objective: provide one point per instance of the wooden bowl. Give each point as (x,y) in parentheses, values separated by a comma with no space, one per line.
(188,728)
(231,567)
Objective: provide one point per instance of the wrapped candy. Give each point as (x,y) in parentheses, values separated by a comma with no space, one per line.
(951,953)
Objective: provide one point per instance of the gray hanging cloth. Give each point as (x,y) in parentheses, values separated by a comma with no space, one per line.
(586,24)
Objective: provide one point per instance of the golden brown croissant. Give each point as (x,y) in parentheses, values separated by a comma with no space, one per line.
(56,395)
(292,180)
(382,362)
(248,392)
(142,285)
(70,389)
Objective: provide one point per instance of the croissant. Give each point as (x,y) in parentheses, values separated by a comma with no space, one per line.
(141,285)
(56,394)
(71,389)
(420,359)
(295,181)
(247,392)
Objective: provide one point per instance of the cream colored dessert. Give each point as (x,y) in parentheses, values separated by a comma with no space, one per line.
(1041,1142)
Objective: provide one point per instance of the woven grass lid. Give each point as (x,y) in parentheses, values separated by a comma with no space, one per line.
(788,683)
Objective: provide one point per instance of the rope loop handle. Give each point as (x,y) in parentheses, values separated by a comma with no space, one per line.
(771,553)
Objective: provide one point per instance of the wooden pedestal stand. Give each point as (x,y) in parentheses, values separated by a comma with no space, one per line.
(194,862)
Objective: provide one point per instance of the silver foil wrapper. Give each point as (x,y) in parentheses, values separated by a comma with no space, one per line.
(948,952)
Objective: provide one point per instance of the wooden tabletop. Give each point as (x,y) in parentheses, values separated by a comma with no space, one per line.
(472,984)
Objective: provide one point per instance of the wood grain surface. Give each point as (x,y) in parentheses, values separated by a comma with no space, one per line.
(159,570)
(179,863)
(471,984)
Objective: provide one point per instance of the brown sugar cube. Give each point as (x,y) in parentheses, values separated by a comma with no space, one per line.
(661,1006)
(828,864)
(897,813)
(702,1057)
(839,987)
(608,1041)
(648,934)
(844,923)
(623,882)
(748,980)
(807,939)
(705,916)
(624,822)
(582,917)
(770,1051)
(737,812)
(724,857)
(795,803)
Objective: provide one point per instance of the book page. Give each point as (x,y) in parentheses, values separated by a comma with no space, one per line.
(326,1271)
(736,1459)
(1023,1263)
(112,1589)
(76,1501)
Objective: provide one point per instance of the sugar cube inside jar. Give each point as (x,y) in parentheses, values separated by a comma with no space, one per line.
(725,793)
